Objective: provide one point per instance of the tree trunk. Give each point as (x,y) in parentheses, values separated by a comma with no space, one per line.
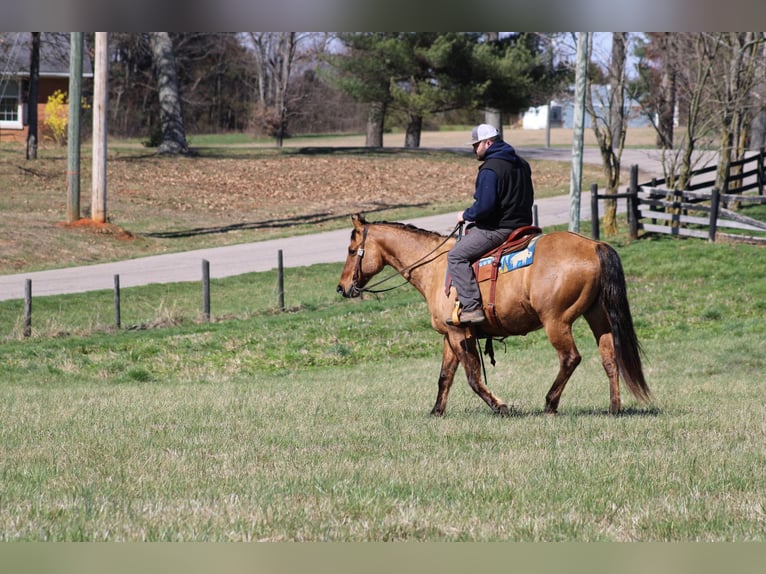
(171,116)
(494,117)
(375,120)
(758,126)
(667,104)
(612,149)
(412,134)
(34,77)
(285,55)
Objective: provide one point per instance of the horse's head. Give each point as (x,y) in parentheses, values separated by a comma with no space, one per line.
(364,260)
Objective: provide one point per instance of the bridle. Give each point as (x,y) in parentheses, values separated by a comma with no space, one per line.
(356,290)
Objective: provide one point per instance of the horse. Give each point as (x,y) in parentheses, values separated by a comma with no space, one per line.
(571,276)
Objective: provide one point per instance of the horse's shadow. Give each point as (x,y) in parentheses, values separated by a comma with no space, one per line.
(516,412)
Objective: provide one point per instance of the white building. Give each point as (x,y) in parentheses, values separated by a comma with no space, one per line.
(562,113)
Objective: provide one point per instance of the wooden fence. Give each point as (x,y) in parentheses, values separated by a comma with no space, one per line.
(700,210)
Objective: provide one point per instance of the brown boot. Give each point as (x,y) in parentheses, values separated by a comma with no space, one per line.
(473,317)
(469,317)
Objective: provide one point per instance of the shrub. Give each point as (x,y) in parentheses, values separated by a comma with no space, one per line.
(57,116)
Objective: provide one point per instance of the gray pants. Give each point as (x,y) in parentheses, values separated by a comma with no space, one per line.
(470,248)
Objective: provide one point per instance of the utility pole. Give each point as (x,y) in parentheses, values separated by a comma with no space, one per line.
(73,136)
(575,181)
(100,100)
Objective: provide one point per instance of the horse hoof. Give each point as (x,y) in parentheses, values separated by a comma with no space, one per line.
(437,413)
(503,411)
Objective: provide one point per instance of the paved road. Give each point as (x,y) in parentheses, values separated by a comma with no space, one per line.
(327,247)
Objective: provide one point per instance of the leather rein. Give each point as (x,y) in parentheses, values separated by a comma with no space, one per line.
(356,290)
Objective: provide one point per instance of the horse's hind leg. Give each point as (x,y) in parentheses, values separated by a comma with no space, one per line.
(450,363)
(599,324)
(463,344)
(560,336)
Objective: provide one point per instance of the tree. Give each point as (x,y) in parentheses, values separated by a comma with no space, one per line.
(171,114)
(514,72)
(758,128)
(34,78)
(214,72)
(609,120)
(364,71)
(419,74)
(493,116)
(275,54)
(739,70)
(689,62)
(656,85)
(428,82)
(215,78)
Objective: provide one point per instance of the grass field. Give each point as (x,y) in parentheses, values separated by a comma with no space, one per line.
(313,424)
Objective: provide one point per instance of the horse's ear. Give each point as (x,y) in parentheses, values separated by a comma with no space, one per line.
(358,218)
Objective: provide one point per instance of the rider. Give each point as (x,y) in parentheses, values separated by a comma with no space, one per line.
(503,201)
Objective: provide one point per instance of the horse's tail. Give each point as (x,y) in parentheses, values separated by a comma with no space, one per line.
(614,300)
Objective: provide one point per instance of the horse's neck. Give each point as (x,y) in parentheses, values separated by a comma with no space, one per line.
(416,253)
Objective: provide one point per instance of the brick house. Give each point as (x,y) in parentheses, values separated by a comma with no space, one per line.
(15,59)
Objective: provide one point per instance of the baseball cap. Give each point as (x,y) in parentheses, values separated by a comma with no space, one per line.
(482,132)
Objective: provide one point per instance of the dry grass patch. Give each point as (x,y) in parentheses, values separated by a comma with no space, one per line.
(225,196)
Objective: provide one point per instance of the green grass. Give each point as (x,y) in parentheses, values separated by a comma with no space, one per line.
(313,424)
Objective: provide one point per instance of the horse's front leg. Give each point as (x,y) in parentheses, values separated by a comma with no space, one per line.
(446,376)
(463,344)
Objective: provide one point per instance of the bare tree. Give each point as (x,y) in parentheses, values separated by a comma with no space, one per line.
(667,94)
(739,70)
(275,53)
(708,83)
(675,70)
(171,113)
(758,127)
(609,119)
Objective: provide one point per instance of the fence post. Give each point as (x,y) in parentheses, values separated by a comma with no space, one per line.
(715,201)
(117,313)
(633,202)
(281,280)
(594,211)
(535,221)
(761,170)
(206,290)
(27,308)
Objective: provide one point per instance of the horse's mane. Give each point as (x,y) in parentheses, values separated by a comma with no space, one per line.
(407,227)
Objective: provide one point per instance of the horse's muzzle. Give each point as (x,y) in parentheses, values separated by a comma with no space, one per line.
(354,291)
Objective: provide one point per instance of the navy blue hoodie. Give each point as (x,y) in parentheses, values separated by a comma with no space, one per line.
(504,193)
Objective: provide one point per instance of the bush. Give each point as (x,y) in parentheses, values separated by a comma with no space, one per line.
(57,116)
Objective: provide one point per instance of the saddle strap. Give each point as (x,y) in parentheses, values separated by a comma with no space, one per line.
(490,309)
(519,239)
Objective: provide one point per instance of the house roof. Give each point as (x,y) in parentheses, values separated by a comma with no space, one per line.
(16,48)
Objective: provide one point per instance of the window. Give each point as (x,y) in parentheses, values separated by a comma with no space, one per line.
(10,104)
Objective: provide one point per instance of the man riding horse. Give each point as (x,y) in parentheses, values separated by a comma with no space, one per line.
(502,202)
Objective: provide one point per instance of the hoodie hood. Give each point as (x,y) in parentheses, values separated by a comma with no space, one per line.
(500,150)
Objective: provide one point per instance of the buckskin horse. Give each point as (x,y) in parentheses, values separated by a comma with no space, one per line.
(570,276)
